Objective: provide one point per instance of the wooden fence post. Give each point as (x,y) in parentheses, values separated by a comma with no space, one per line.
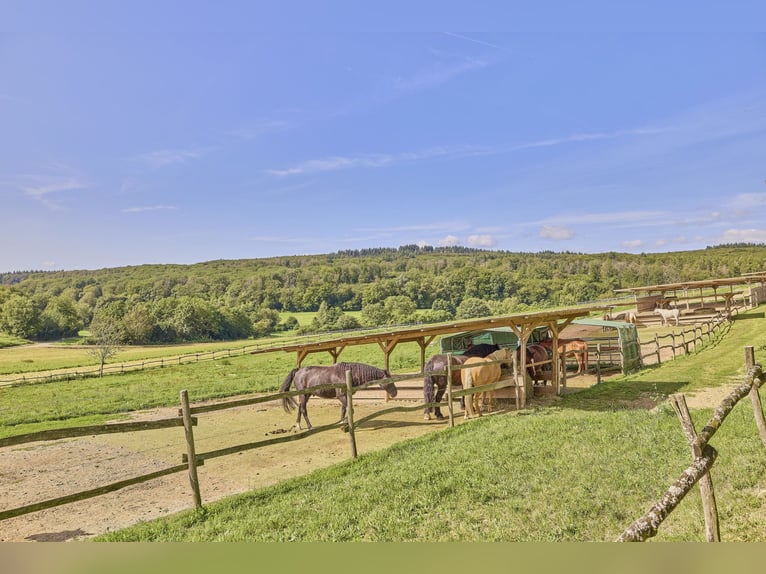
(673,343)
(657,345)
(450,408)
(350,412)
(755,396)
(598,363)
(712,530)
(194,481)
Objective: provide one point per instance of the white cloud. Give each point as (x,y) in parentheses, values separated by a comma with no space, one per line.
(743,235)
(633,244)
(481,241)
(449,241)
(555,232)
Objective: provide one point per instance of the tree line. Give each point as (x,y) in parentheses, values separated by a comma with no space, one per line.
(236,299)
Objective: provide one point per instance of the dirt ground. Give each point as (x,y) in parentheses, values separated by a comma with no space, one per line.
(35,472)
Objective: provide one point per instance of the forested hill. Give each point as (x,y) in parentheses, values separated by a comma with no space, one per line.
(232,298)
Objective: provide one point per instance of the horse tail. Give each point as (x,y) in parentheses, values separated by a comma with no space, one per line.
(288,403)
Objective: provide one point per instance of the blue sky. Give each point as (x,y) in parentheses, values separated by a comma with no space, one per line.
(178,132)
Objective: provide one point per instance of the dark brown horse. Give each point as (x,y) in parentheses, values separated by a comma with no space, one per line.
(433,379)
(439,363)
(537,354)
(307,377)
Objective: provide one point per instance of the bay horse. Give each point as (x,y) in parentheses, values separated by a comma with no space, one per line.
(479,371)
(307,377)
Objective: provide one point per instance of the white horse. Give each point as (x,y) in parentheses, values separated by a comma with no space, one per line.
(667,314)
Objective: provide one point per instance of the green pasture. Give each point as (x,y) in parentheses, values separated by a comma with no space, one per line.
(33,407)
(550,475)
(581,470)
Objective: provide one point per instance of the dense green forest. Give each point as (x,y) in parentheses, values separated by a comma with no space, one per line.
(235,299)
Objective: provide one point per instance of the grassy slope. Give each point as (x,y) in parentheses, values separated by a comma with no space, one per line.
(582,470)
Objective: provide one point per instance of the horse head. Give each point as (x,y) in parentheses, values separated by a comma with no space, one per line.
(390,388)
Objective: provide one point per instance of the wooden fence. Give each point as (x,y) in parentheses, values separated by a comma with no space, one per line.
(703,455)
(683,343)
(190,459)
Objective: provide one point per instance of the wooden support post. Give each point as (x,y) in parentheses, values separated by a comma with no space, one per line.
(755,396)
(350,412)
(516,378)
(450,407)
(598,363)
(712,530)
(193,480)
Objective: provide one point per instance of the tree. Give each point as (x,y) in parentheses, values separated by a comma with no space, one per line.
(472,307)
(106,336)
(19,317)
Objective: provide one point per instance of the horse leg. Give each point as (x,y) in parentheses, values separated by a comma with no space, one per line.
(303,410)
(342,399)
(468,384)
(437,399)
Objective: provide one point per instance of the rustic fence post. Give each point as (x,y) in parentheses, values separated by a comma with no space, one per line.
(712,530)
(598,363)
(755,396)
(450,408)
(673,343)
(683,342)
(194,481)
(350,412)
(657,345)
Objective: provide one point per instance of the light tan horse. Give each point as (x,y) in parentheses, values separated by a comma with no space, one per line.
(576,347)
(479,371)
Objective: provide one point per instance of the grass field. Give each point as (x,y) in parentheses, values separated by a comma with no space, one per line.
(582,469)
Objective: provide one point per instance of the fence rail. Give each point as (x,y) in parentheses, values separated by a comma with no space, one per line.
(643,528)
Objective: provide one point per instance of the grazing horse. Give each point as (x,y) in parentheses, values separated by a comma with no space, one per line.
(307,377)
(435,364)
(668,314)
(537,353)
(479,371)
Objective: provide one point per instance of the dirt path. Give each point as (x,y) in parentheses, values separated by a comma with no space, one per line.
(37,472)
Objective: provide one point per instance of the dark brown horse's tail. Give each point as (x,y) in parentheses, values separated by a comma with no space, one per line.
(288,403)
(428,383)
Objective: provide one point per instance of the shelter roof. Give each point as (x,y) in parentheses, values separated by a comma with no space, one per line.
(707,283)
(425,334)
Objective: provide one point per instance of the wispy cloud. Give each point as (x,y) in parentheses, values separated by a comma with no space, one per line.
(449,241)
(165,157)
(474,40)
(633,244)
(367,161)
(436,75)
(43,187)
(149,208)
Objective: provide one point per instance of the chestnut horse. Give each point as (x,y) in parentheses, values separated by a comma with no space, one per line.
(478,371)
(576,347)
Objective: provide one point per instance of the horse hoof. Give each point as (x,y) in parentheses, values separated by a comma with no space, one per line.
(440,417)
(426,417)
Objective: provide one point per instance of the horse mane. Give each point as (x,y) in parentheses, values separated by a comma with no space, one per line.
(362,373)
